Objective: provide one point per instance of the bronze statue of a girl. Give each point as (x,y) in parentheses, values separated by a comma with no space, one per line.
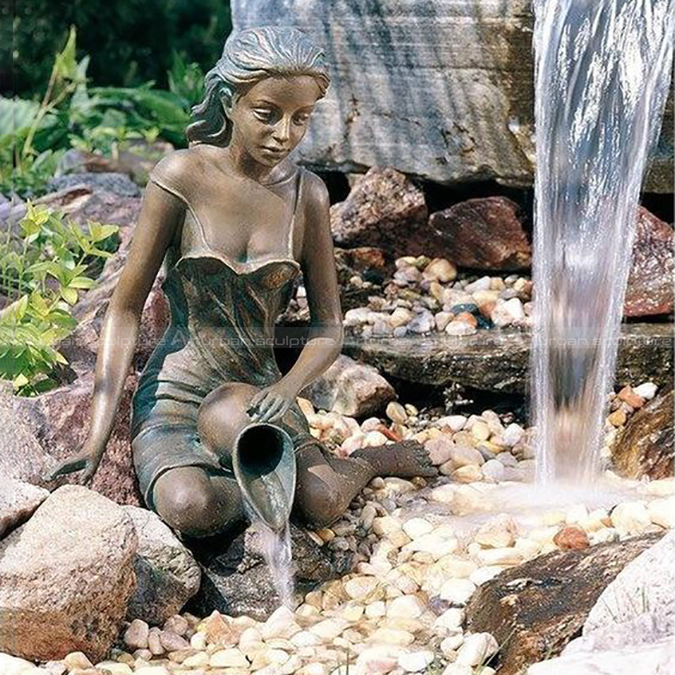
(237,222)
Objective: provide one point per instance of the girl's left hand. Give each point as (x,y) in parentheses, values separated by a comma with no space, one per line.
(271,403)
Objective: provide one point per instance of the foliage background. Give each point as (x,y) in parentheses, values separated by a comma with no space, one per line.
(129,41)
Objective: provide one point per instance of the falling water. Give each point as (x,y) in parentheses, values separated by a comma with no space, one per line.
(277,551)
(602,76)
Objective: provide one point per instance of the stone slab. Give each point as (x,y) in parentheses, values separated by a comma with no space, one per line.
(498,360)
(441,89)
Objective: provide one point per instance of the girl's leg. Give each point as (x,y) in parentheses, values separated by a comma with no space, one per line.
(197,502)
(326,484)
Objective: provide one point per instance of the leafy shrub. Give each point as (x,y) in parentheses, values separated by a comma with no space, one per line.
(41,275)
(130,42)
(34,136)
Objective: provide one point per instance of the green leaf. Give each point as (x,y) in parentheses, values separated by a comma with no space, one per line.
(99,232)
(65,63)
(16,114)
(69,295)
(82,282)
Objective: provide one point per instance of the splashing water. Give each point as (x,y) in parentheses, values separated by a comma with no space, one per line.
(602,76)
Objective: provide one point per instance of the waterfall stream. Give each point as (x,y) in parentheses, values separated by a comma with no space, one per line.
(602,78)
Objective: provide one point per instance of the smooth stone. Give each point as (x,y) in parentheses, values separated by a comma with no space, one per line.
(499,532)
(415,662)
(451,619)
(476,649)
(662,512)
(136,635)
(115,668)
(359,588)
(506,557)
(392,636)
(647,390)
(199,660)
(493,471)
(457,591)
(386,525)
(228,658)
(417,527)
(467,474)
(462,455)
(439,449)
(407,607)
(631,517)
(329,629)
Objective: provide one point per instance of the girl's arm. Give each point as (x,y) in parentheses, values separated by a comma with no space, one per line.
(323,295)
(161,213)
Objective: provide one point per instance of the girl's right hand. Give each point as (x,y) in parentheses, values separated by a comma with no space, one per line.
(85,459)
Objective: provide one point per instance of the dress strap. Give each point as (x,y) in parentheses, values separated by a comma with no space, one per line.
(296,206)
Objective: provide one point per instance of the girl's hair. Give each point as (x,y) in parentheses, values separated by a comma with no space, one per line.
(248,57)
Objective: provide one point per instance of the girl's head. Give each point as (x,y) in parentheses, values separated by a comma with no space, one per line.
(261,93)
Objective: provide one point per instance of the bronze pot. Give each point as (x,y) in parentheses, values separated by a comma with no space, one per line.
(261,454)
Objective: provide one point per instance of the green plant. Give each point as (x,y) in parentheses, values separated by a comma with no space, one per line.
(186,80)
(33,136)
(42,271)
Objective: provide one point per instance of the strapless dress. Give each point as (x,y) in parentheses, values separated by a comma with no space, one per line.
(223,315)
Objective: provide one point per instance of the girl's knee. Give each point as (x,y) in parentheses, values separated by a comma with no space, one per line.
(187,502)
(318,502)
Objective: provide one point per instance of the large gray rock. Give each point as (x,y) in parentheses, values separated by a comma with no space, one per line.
(21,454)
(18,502)
(498,360)
(350,388)
(117,183)
(441,89)
(66,577)
(631,628)
(167,575)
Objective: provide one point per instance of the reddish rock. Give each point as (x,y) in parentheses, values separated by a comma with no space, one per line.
(468,318)
(645,446)
(485,234)
(571,538)
(650,285)
(82,203)
(65,414)
(627,395)
(535,609)
(18,501)
(38,432)
(386,210)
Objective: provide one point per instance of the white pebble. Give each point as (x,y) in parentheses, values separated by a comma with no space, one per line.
(417,527)
(662,512)
(631,517)
(457,591)
(415,662)
(647,390)
(477,648)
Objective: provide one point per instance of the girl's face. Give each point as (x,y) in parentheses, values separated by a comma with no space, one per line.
(270,117)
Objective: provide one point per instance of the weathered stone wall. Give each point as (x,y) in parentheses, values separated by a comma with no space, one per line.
(441,89)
